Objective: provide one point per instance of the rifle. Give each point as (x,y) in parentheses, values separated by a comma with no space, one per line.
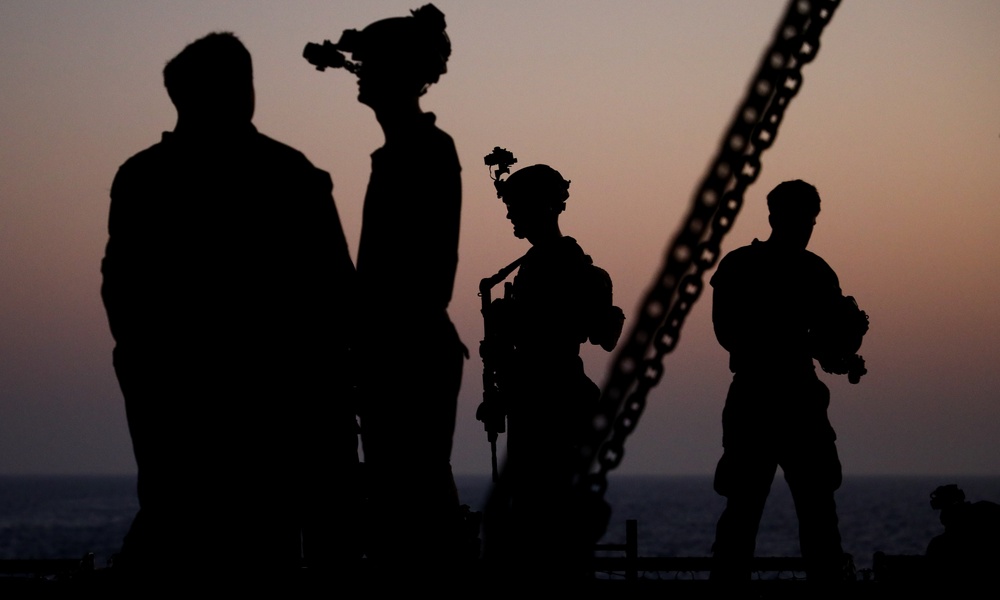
(492,412)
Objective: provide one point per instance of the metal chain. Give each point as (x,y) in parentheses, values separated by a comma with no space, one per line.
(638,366)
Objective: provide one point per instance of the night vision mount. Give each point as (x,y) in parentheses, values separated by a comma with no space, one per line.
(330,55)
(502,159)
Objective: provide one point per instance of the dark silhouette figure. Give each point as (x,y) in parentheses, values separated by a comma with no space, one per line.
(969,549)
(411,355)
(774,304)
(558,300)
(228,287)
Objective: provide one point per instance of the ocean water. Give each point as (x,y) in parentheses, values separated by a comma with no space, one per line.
(66,517)
(677,515)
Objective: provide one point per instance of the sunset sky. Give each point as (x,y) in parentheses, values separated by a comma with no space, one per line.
(897,125)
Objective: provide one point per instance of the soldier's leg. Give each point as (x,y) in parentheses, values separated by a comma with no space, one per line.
(744,477)
(407,443)
(162,531)
(813,473)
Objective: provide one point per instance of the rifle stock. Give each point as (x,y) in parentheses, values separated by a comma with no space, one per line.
(492,411)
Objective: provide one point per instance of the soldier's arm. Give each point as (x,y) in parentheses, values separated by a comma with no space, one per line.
(723,319)
(725,307)
(122,279)
(444,189)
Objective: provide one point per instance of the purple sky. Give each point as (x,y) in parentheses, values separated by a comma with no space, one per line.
(897,125)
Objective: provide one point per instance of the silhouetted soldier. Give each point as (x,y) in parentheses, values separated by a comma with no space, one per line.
(228,283)
(558,301)
(412,356)
(969,549)
(776,307)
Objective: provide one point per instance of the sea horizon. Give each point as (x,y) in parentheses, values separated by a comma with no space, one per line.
(67,516)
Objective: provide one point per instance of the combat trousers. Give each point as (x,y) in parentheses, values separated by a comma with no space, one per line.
(769,423)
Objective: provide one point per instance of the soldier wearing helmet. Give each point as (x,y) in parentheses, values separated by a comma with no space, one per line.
(558,300)
(411,355)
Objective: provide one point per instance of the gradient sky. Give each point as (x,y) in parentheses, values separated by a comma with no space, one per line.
(897,125)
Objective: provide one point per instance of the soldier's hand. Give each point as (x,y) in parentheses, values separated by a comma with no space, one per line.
(492,415)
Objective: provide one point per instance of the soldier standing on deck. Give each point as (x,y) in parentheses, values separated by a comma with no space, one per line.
(229,289)
(410,353)
(776,307)
(558,301)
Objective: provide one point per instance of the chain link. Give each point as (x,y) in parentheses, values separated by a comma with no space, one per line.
(695,249)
